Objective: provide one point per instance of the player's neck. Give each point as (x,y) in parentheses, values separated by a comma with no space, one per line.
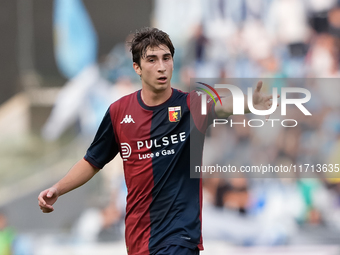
(154,98)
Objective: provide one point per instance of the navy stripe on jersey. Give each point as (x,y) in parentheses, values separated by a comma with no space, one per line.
(104,146)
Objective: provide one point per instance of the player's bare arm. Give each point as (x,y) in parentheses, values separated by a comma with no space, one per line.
(260,102)
(79,174)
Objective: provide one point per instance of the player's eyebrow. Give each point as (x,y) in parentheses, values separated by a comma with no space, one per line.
(154,56)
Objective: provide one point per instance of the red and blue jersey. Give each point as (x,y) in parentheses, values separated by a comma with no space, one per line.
(164,204)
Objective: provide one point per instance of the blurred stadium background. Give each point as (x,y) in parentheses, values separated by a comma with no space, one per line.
(64,61)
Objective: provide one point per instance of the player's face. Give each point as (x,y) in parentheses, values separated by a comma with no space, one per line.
(155,69)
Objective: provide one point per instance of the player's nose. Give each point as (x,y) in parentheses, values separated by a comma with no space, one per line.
(161,67)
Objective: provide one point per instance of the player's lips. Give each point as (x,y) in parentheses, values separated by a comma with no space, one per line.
(162,79)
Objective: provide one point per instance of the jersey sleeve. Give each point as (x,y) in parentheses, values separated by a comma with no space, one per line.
(104,146)
(194,103)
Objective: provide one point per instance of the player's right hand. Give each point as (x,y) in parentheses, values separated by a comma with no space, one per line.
(47,198)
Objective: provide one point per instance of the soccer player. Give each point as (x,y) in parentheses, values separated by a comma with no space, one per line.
(151,130)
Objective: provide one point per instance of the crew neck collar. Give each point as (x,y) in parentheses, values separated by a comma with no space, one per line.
(143,105)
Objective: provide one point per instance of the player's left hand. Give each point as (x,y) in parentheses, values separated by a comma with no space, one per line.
(261,101)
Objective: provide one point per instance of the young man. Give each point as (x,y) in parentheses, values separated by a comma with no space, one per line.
(151,130)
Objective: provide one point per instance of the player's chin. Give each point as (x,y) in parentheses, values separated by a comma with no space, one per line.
(162,87)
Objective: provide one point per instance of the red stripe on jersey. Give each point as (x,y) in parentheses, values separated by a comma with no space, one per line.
(200,245)
(201,123)
(136,171)
(194,104)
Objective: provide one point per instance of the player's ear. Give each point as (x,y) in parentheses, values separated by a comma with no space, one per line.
(137,68)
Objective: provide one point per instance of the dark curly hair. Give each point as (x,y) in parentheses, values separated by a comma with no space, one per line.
(148,37)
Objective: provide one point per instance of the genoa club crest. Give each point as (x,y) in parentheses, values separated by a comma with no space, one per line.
(174,113)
